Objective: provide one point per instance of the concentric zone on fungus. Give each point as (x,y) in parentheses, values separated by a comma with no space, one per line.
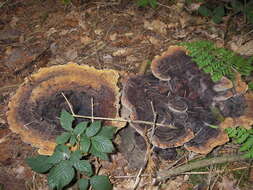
(35,108)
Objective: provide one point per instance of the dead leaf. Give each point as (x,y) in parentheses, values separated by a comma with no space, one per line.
(243,49)
(113,36)
(227,184)
(156,25)
(122,52)
(85,40)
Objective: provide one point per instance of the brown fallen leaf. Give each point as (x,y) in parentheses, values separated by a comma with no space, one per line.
(227,184)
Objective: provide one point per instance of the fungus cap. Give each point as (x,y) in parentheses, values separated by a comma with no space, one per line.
(34,109)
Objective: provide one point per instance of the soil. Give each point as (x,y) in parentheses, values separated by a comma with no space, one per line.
(115,34)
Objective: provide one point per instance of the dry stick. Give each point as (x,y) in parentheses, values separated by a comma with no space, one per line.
(149,149)
(69,104)
(165,174)
(92,110)
(189,173)
(114,119)
(8,87)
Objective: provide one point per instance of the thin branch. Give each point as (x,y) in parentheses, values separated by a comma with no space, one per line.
(92,109)
(154,120)
(148,151)
(69,104)
(188,173)
(165,174)
(114,119)
(125,120)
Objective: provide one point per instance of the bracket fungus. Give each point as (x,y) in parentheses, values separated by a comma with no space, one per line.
(34,109)
(179,94)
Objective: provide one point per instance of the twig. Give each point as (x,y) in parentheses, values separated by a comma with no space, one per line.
(69,104)
(165,174)
(149,149)
(114,119)
(188,173)
(3,3)
(137,180)
(92,109)
(154,121)
(125,120)
(5,88)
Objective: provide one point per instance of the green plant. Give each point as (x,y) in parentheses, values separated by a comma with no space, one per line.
(220,9)
(216,13)
(217,61)
(69,163)
(244,137)
(145,3)
(250,85)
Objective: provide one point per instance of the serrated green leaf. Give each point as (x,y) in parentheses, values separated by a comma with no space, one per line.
(64,150)
(142,3)
(204,11)
(237,5)
(66,2)
(83,184)
(56,157)
(66,120)
(83,166)
(63,138)
(76,155)
(232,133)
(61,175)
(93,129)
(247,145)
(98,154)
(100,183)
(242,139)
(153,3)
(73,140)
(85,143)
(102,144)
(248,155)
(39,163)
(216,77)
(219,11)
(80,128)
(107,131)
(217,19)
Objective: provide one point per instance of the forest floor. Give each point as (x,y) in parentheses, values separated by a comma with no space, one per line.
(105,34)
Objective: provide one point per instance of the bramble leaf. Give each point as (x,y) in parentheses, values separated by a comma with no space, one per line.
(83,184)
(83,166)
(93,129)
(98,154)
(85,143)
(102,144)
(107,131)
(66,120)
(80,128)
(39,163)
(73,140)
(63,138)
(204,11)
(100,182)
(61,175)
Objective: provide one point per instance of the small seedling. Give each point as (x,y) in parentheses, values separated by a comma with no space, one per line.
(69,163)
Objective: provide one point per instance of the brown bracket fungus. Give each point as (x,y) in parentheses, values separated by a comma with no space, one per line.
(35,108)
(182,96)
